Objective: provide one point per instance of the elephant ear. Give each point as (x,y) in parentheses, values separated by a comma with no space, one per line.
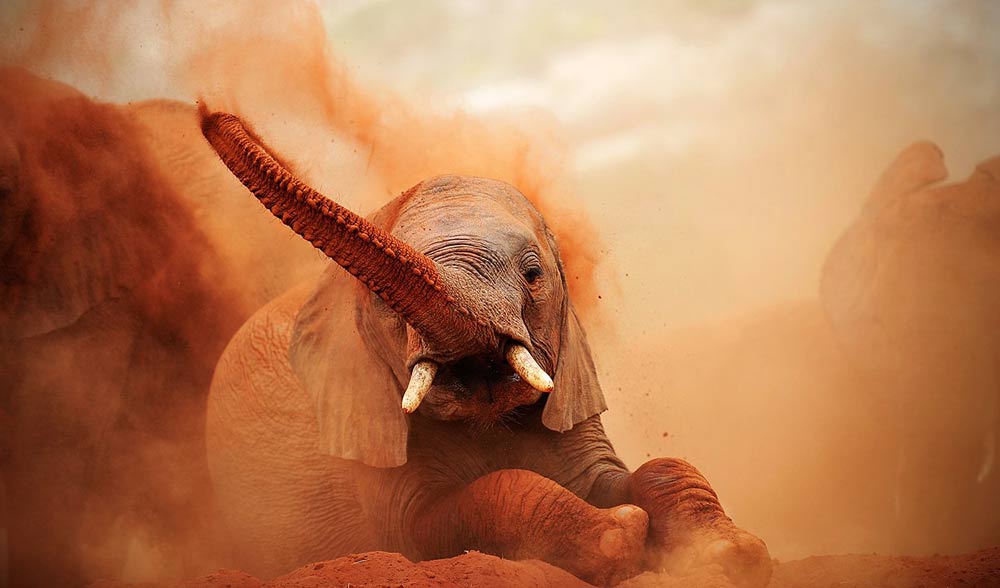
(576,395)
(356,394)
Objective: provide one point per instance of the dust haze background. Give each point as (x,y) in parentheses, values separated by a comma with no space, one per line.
(698,159)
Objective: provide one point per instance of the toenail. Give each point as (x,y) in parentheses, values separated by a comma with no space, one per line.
(718,549)
(625,511)
(612,542)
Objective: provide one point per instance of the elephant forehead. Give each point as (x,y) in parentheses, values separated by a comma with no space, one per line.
(471,194)
(475,228)
(494,212)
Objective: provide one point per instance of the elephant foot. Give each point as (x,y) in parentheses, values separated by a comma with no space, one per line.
(611,550)
(688,528)
(741,556)
(519,514)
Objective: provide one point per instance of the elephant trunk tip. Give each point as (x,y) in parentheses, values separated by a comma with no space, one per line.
(203,111)
(405,278)
(207,119)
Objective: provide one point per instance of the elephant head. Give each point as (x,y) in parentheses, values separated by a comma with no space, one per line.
(911,290)
(460,306)
(911,285)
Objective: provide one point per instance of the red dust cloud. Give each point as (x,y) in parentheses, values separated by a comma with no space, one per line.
(826,356)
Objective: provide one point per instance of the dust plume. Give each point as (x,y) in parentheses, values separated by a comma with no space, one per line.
(721,163)
(113,309)
(189,252)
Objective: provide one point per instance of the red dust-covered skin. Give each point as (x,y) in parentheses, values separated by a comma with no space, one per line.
(521,514)
(688,527)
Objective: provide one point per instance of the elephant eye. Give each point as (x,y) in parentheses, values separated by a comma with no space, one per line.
(532,274)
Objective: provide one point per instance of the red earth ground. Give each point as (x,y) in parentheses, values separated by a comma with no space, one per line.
(378,569)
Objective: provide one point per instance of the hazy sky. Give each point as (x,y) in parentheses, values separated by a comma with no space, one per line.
(722,145)
(731,141)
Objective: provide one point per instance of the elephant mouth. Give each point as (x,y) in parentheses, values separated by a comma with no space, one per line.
(479,388)
(472,375)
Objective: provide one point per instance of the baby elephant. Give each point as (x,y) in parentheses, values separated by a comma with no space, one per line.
(442,399)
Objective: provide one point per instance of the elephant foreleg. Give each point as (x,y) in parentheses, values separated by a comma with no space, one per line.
(687,525)
(520,514)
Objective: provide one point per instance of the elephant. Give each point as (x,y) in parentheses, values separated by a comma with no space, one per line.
(438,396)
(911,292)
(113,311)
(868,410)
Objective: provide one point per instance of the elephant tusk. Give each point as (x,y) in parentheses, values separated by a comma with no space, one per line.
(421,379)
(520,359)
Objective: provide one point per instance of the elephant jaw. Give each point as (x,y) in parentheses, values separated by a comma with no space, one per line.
(475,381)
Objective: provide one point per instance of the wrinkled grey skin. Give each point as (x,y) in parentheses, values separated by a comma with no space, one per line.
(312,456)
(912,290)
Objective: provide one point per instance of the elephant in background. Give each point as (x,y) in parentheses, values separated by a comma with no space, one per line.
(912,291)
(866,414)
(119,291)
(112,314)
(443,399)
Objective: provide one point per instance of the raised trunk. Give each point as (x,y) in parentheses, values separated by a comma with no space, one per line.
(405,279)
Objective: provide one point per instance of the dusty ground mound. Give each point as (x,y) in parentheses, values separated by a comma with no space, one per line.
(980,569)
(379,568)
(391,570)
